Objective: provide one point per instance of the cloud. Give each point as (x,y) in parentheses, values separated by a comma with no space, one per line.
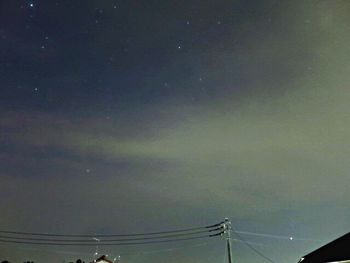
(295,141)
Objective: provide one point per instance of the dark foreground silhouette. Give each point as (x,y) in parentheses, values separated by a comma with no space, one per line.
(336,251)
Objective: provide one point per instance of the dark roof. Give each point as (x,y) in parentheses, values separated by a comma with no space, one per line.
(103,258)
(337,250)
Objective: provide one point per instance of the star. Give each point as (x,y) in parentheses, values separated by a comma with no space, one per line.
(31,5)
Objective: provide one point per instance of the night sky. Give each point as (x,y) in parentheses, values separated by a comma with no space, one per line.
(136,116)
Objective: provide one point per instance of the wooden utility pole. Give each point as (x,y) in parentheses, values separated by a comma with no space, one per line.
(227,233)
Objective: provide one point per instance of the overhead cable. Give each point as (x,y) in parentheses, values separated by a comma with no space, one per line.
(111,235)
(273,236)
(97,241)
(106,244)
(253,248)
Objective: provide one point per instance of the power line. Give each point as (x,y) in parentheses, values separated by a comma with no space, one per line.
(241,241)
(97,242)
(273,236)
(253,248)
(107,244)
(110,235)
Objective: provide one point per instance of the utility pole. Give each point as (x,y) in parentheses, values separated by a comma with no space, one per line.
(227,232)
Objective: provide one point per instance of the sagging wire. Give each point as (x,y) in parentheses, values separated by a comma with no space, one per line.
(111,235)
(249,245)
(106,244)
(272,236)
